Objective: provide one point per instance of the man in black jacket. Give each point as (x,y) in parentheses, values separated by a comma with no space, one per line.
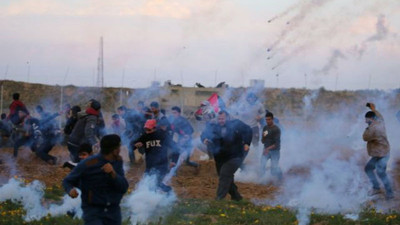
(134,122)
(102,182)
(155,143)
(182,128)
(85,129)
(228,140)
(48,135)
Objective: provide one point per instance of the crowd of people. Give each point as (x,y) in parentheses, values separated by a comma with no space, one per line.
(94,147)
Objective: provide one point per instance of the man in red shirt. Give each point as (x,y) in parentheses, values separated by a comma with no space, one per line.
(16,106)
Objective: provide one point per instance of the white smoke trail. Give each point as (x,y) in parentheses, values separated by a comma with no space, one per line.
(332,62)
(303,216)
(173,170)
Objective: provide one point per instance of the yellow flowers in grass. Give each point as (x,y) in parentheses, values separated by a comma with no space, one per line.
(222,215)
(266,208)
(391,217)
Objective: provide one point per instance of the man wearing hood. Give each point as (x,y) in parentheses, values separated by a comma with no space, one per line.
(85,129)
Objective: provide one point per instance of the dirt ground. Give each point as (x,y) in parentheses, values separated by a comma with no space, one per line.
(189,183)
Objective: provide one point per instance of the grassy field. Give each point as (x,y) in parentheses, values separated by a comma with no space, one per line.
(197,211)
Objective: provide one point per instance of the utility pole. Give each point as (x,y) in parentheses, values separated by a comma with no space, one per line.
(100,66)
(215,77)
(277,80)
(305,78)
(62,95)
(122,86)
(29,70)
(369,81)
(336,81)
(182,94)
(2,90)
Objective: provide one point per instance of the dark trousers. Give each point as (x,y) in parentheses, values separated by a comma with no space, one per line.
(256,136)
(226,171)
(378,163)
(159,171)
(102,215)
(73,152)
(21,141)
(44,149)
(189,150)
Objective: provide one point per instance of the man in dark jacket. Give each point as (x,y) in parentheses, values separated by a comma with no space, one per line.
(271,138)
(102,182)
(25,134)
(228,140)
(85,129)
(183,129)
(134,122)
(5,130)
(155,143)
(72,118)
(48,135)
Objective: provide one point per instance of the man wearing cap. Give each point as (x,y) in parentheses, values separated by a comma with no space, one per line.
(102,183)
(85,129)
(154,143)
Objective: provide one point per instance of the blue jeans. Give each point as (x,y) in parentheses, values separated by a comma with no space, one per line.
(378,163)
(274,156)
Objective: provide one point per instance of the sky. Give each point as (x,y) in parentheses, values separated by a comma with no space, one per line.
(335,44)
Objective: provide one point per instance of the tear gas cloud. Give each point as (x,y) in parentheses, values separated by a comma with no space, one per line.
(323,156)
(147,201)
(31,195)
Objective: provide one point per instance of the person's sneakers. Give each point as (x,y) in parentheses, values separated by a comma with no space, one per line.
(192,164)
(165,188)
(69,165)
(71,213)
(237,198)
(374,192)
(52,161)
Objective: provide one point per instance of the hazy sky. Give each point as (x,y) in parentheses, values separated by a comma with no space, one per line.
(343,44)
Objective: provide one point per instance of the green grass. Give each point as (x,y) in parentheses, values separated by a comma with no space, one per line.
(53,193)
(194,211)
